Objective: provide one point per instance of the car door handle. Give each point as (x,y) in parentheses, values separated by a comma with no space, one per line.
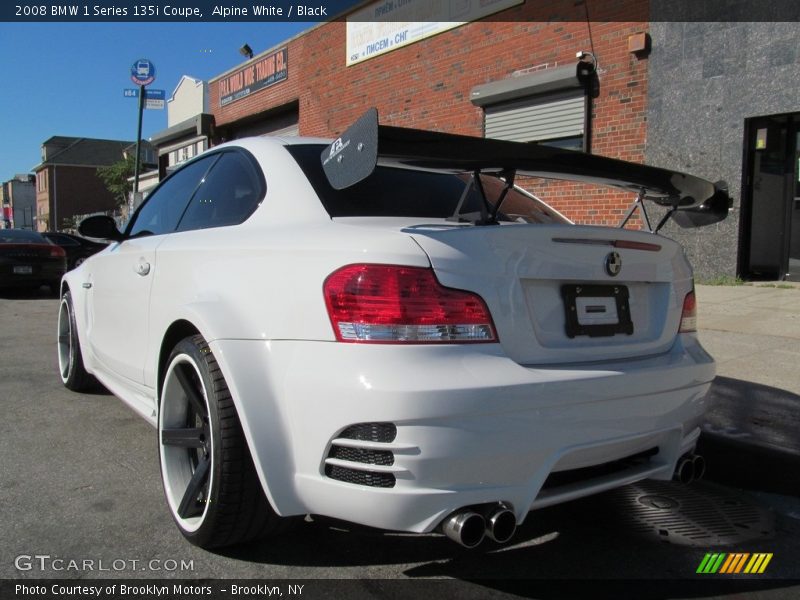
(143,268)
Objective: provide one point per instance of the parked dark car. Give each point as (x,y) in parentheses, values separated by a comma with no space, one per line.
(28,260)
(78,249)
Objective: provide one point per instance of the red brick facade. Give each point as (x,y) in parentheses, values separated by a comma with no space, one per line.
(66,191)
(427,84)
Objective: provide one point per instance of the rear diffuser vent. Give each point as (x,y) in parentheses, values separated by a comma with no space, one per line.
(383,480)
(585,474)
(362,455)
(373,433)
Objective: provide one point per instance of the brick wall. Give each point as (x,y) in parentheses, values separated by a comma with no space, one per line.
(76,191)
(427,84)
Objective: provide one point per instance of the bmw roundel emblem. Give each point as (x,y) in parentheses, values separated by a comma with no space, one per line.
(613,263)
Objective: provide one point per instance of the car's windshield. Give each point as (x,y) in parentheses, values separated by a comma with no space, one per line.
(395,192)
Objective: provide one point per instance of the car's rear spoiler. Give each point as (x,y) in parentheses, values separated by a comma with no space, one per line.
(354,155)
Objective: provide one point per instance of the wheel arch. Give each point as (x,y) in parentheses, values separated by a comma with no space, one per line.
(184,327)
(178,330)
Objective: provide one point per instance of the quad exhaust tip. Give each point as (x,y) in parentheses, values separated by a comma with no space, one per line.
(689,468)
(465,527)
(699,464)
(468,527)
(501,524)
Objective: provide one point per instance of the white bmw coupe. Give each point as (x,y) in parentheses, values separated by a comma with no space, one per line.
(386,330)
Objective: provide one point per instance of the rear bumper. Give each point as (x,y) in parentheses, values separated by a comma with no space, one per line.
(473,427)
(42,273)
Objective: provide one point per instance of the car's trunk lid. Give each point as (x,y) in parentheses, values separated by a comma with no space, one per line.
(551,293)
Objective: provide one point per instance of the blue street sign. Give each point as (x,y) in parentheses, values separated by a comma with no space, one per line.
(143,72)
(148,94)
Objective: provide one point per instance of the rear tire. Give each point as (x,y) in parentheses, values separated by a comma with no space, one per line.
(212,489)
(70,361)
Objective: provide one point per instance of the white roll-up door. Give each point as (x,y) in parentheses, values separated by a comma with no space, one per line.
(541,118)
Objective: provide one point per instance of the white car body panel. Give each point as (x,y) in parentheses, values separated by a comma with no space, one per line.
(119,289)
(487,407)
(476,423)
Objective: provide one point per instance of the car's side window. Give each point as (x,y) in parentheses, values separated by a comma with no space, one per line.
(163,208)
(231,191)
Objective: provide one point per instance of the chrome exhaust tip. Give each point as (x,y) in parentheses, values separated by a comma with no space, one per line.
(684,470)
(501,524)
(465,527)
(699,464)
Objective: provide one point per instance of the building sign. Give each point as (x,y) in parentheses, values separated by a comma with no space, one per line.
(391,24)
(261,74)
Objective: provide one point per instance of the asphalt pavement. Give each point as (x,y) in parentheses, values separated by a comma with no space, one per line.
(79,481)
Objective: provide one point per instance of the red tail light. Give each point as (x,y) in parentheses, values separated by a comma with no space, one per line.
(391,304)
(689,314)
(57,252)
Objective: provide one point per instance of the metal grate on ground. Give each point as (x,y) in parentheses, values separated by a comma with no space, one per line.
(699,514)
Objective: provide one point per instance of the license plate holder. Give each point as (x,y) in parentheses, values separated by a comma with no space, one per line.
(23,270)
(596,310)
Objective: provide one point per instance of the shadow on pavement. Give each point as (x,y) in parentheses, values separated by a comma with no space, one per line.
(577,550)
(28,293)
(751,437)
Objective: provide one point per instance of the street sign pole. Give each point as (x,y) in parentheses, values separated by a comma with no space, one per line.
(138,141)
(143,73)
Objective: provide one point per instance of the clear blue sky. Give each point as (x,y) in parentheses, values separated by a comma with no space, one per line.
(68,78)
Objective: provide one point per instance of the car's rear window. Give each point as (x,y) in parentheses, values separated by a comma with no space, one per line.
(21,236)
(395,192)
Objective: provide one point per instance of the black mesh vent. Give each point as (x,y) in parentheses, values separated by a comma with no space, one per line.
(371,432)
(362,455)
(383,480)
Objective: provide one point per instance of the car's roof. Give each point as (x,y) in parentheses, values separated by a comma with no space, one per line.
(270,140)
(298,140)
(11,235)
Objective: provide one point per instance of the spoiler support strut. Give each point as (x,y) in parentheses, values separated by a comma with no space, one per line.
(638,203)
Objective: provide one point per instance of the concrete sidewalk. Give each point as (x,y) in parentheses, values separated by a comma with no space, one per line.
(752,434)
(753,332)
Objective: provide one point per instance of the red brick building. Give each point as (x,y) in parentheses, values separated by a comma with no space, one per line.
(521,56)
(66,180)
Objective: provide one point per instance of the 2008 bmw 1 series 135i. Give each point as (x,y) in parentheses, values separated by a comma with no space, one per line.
(385,329)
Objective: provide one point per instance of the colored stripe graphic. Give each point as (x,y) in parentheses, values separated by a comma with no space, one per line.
(738,564)
(704,564)
(735,563)
(717,563)
(727,564)
(711,563)
(754,564)
(763,565)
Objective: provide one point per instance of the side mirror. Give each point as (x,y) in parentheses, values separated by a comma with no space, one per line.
(100,227)
(713,210)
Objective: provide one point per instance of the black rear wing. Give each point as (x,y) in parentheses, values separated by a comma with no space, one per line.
(353,156)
